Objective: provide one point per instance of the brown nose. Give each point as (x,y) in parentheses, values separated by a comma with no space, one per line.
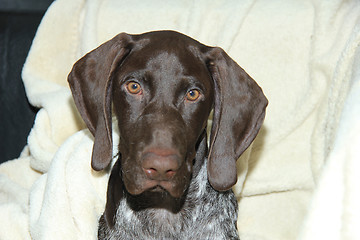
(160,164)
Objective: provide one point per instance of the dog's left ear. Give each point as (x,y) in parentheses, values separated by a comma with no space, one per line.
(90,81)
(239,112)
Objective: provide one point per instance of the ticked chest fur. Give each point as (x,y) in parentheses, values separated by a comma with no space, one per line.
(205,214)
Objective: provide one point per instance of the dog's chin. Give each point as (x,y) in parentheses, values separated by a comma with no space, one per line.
(155,197)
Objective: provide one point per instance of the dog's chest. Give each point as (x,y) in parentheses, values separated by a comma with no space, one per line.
(203,217)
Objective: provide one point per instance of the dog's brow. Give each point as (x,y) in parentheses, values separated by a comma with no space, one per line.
(165,61)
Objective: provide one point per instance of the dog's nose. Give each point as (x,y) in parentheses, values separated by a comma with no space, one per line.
(160,164)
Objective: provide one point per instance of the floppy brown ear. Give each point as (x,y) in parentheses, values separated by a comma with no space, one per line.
(239,112)
(91,84)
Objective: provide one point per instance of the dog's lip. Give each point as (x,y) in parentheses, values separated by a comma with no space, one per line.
(158,186)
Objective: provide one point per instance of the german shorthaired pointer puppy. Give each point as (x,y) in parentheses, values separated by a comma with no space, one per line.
(166,183)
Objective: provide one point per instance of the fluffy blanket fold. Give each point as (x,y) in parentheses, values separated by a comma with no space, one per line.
(299,178)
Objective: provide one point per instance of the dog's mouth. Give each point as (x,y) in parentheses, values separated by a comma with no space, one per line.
(157,188)
(164,187)
(155,197)
(175,187)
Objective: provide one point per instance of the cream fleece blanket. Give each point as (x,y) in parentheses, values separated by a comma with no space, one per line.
(300,178)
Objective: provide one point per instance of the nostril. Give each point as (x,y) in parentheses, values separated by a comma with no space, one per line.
(161,167)
(170,174)
(151,173)
(160,174)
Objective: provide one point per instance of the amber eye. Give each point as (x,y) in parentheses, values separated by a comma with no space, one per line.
(192,95)
(133,87)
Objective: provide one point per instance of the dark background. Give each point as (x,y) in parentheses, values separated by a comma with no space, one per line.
(19,20)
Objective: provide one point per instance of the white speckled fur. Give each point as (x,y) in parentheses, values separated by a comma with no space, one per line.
(206,214)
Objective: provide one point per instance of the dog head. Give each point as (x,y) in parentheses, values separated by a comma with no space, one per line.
(163,86)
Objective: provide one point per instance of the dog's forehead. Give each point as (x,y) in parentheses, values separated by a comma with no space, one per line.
(168,54)
(171,63)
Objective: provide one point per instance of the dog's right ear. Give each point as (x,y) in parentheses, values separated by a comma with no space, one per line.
(91,84)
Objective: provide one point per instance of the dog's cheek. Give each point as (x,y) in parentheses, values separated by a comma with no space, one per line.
(129,174)
(184,177)
(189,166)
(133,181)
